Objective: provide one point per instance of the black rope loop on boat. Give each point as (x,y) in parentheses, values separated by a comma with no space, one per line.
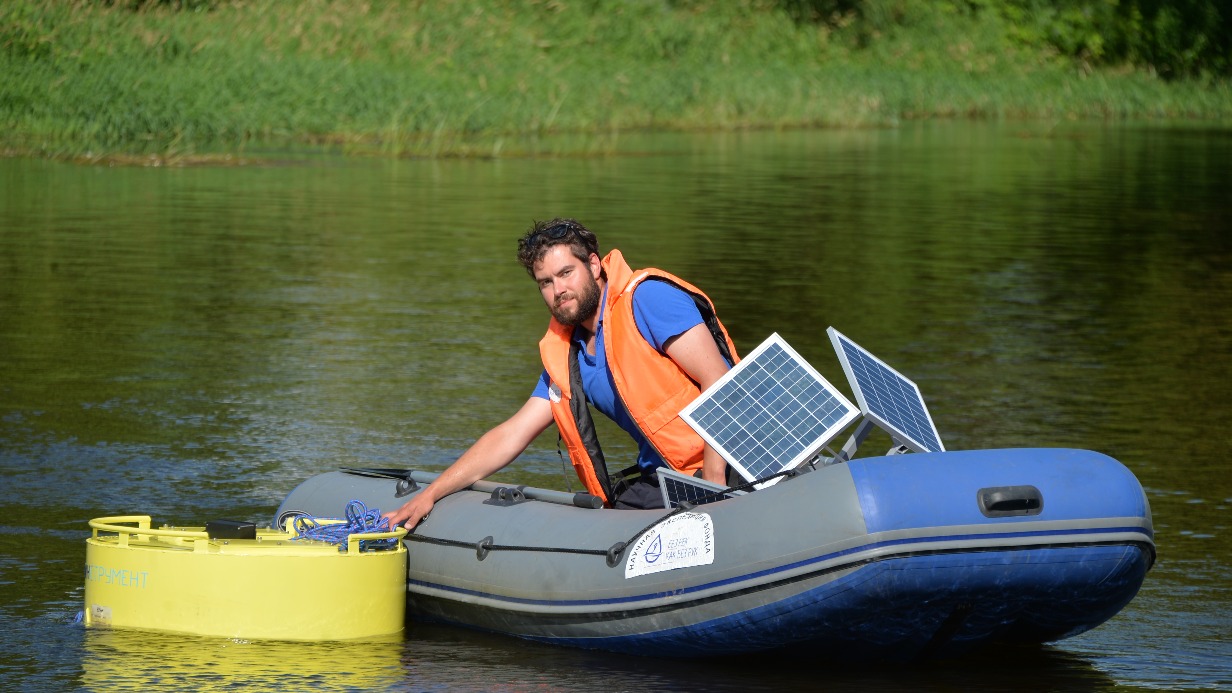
(611,555)
(485,545)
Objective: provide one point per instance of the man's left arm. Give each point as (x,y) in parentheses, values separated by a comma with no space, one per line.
(696,353)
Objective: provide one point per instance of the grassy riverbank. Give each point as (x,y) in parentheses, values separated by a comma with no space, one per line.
(484,77)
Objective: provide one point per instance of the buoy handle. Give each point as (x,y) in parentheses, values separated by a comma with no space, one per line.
(354,539)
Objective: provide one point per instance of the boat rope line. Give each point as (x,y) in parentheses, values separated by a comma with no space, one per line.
(333,530)
(612,554)
(857,557)
(485,545)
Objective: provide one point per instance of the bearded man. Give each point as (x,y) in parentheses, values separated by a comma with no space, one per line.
(638,345)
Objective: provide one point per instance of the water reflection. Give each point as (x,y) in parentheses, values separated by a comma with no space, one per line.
(495,663)
(441,658)
(132,660)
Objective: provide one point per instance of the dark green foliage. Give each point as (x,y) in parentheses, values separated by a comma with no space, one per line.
(1181,37)
(1175,38)
(833,12)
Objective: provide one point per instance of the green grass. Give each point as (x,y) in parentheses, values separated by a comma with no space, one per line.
(484,77)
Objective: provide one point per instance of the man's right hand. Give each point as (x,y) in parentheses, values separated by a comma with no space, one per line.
(412,512)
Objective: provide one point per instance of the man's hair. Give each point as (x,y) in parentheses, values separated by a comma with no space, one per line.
(536,242)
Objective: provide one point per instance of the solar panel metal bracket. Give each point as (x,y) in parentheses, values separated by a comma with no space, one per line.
(898,449)
(853,443)
(823,461)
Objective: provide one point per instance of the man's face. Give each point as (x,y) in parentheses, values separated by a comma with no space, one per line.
(569,286)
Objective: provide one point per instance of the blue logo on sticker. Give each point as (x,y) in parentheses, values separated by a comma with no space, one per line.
(655,549)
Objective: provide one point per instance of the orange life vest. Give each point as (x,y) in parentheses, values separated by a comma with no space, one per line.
(651,386)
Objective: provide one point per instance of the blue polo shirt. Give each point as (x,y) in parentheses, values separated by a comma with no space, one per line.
(661,312)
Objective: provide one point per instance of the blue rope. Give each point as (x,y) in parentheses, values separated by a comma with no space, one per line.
(359,520)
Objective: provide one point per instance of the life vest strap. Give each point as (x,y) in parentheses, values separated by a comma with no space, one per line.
(585,423)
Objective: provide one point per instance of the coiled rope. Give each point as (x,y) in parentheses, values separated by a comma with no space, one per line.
(359,520)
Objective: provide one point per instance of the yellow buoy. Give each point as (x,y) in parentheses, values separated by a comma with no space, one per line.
(265,585)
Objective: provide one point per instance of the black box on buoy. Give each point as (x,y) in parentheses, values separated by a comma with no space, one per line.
(230,529)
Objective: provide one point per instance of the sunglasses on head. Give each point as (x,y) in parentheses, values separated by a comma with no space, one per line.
(551,233)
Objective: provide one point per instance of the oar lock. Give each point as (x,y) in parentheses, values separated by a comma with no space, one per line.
(405,487)
(505,495)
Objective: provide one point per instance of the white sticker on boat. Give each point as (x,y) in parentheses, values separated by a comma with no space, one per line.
(680,541)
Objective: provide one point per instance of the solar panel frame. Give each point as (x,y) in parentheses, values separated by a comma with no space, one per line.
(877,385)
(677,486)
(770,412)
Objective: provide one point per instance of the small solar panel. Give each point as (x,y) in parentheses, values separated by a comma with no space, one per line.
(678,486)
(887,397)
(770,412)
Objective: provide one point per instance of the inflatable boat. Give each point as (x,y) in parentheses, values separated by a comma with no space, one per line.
(888,558)
(898,556)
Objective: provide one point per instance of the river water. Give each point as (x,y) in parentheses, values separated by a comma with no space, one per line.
(191,343)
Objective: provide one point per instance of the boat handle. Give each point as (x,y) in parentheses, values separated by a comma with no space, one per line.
(1010,501)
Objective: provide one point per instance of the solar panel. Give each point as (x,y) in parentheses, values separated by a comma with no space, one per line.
(887,397)
(770,412)
(678,486)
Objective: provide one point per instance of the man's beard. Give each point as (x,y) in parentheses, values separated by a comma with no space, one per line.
(587,306)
